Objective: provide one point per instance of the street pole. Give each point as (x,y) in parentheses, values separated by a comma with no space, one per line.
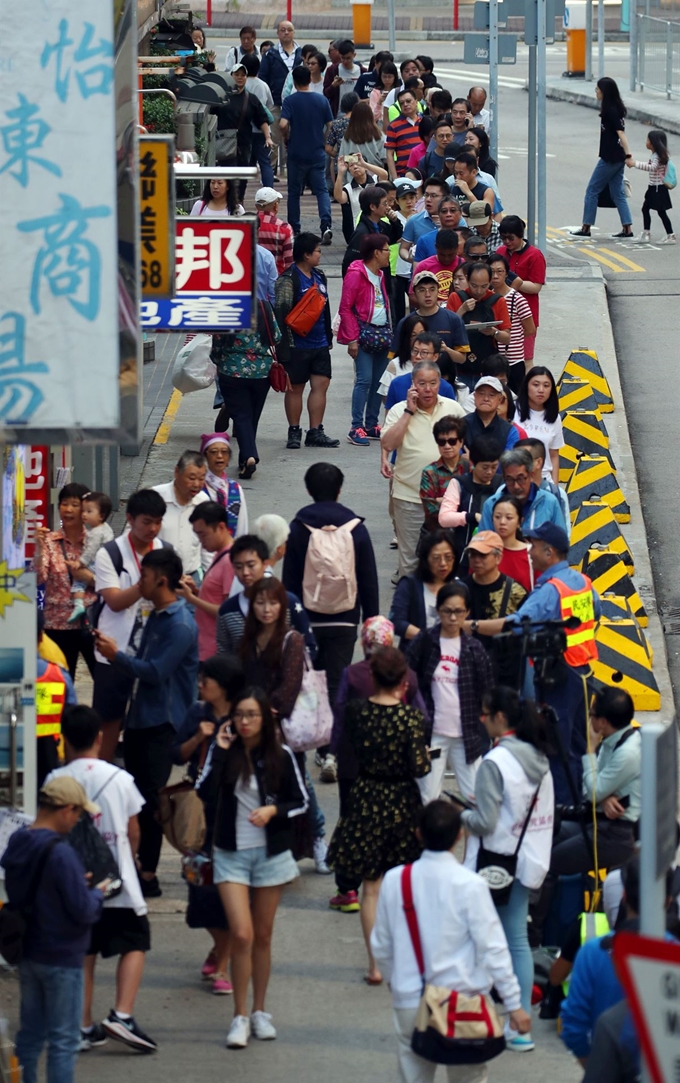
(493,76)
(589,41)
(391,26)
(541,130)
(600,38)
(632,18)
(531,147)
(653,886)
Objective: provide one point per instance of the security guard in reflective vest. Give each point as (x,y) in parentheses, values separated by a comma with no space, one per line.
(53,690)
(561,592)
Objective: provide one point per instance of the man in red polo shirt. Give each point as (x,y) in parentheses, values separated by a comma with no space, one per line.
(402,134)
(526,262)
(272,232)
(479,304)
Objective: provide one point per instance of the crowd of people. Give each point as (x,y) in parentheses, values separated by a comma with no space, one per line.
(203,630)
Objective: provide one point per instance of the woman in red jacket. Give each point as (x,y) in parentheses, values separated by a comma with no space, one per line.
(365,330)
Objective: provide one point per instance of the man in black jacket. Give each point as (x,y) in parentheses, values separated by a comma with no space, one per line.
(475,488)
(374,211)
(335,632)
(239,112)
(276,65)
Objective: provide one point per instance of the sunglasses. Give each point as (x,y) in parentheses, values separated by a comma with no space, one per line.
(449,441)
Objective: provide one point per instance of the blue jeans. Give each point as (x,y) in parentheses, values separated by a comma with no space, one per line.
(606,174)
(369,368)
(317,819)
(51,1009)
(262,157)
(312,173)
(514,921)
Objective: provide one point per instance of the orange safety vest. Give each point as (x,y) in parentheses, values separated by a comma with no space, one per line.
(581,645)
(50,697)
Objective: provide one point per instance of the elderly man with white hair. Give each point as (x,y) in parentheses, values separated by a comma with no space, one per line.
(274,532)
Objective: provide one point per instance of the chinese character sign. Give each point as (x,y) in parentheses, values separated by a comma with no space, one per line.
(37,502)
(215,283)
(157,215)
(59,349)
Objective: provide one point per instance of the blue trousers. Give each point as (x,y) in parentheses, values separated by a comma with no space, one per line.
(312,173)
(262,157)
(51,1008)
(365,398)
(570,703)
(514,921)
(606,173)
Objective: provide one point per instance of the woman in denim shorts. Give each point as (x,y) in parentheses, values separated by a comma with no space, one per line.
(259,791)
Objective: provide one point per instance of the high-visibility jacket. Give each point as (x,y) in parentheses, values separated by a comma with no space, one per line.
(591,926)
(581,645)
(50,697)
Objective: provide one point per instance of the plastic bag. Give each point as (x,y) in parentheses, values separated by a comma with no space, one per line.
(193,370)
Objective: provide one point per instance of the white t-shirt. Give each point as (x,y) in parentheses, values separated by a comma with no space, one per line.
(178,530)
(247,800)
(445,690)
(118,802)
(349,80)
(125,627)
(379,318)
(550,433)
(393,370)
(430,606)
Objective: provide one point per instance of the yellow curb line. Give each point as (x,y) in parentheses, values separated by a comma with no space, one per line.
(165,426)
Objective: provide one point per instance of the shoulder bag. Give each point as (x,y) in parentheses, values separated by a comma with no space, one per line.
(226,141)
(181,813)
(311,720)
(451,1028)
(14,920)
(93,850)
(374,339)
(278,377)
(499,870)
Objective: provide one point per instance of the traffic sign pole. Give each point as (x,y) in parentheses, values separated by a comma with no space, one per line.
(531,147)
(493,76)
(541,127)
(659,784)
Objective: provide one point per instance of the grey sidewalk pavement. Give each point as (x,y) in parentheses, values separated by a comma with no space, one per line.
(647,106)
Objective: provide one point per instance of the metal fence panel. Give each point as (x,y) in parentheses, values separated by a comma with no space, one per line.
(658,42)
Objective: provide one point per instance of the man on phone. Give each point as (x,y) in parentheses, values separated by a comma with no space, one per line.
(408,431)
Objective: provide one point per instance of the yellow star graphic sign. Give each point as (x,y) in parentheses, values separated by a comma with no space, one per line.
(9,577)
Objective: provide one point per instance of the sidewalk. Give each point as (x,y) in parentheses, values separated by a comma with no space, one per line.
(647,106)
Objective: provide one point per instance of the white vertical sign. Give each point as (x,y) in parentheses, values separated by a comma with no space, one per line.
(59,350)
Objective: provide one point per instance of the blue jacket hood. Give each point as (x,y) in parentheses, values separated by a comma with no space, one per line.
(326,512)
(20,861)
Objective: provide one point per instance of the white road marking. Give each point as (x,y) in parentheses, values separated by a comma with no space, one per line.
(465,76)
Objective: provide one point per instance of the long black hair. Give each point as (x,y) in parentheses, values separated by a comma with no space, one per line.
(551,407)
(611,97)
(659,145)
(206,194)
(523,716)
(514,502)
(269,751)
(404,346)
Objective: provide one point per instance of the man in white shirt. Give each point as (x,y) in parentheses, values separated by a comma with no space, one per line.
(480,117)
(235,55)
(464,946)
(123,928)
(117,570)
(181,497)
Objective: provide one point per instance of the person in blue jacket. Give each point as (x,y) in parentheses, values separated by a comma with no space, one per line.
(538,505)
(275,66)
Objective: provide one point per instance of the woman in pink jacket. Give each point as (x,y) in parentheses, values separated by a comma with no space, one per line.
(365,330)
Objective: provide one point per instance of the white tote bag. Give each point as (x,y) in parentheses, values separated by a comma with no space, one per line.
(311,722)
(193,370)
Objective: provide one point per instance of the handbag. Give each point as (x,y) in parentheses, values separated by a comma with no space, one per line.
(499,870)
(311,721)
(451,1028)
(374,339)
(181,813)
(93,850)
(14,920)
(303,316)
(278,377)
(193,369)
(226,141)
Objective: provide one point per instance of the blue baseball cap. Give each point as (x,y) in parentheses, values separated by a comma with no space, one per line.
(550,534)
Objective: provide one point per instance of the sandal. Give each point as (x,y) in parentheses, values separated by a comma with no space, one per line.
(248,469)
(371,980)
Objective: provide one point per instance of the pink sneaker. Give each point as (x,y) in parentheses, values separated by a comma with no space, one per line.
(209,967)
(222,987)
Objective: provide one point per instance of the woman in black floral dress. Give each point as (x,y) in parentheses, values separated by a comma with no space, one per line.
(378,831)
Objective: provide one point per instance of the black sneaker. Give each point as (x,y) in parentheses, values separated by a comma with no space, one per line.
(318,438)
(327,236)
(582,232)
(94,1036)
(151,889)
(127,1031)
(624,233)
(294,436)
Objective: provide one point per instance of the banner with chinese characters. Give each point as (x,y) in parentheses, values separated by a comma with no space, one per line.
(215,278)
(59,270)
(157,215)
(37,502)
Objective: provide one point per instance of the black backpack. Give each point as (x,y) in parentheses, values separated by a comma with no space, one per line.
(14,920)
(92,849)
(94,611)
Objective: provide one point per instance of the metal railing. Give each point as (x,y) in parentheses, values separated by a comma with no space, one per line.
(658,44)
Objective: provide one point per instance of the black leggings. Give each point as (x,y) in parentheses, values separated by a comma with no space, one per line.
(74,642)
(647,218)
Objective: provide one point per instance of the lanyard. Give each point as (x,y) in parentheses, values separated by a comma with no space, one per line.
(136,558)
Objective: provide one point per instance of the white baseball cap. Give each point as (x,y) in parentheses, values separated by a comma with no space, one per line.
(267,195)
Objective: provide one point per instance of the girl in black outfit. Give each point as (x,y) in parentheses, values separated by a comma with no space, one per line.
(477,137)
(614,153)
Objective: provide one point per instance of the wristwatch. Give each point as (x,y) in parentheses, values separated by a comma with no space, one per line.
(474,624)
(411,412)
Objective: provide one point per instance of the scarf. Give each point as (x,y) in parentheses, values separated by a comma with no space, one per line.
(228,494)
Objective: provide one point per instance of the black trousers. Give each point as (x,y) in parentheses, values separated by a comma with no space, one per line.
(401,286)
(74,642)
(516,376)
(336,647)
(245,399)
(48,757)
(148,757)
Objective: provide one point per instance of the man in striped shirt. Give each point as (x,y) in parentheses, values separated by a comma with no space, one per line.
(402,135)
(273,233)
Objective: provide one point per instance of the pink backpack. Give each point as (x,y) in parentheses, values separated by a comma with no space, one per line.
(329,583)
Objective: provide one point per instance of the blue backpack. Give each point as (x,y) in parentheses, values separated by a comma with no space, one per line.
(670,178)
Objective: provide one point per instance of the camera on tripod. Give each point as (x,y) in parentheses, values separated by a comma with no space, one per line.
(544,642)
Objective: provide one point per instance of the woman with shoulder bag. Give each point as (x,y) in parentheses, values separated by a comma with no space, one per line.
(273,656)
(514,804)
(258,790)
(365,330)
(220,679)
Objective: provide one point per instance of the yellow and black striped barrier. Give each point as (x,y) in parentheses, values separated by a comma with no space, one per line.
(624,662)
(584,434)
(611,578)
(583,364)
(595,525)
(594,479)
(575,394)
(615,607)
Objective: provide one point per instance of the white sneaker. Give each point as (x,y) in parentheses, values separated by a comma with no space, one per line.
(239,1031)
(329,771)
(670,238)
(318,759)
(320,851)
(643,238)
(262,1025)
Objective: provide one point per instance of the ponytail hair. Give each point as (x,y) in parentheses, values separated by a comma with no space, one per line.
(523,716)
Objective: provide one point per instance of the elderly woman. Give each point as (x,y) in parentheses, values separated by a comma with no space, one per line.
(357,683)
(274,532)
(57,563)
(217,450)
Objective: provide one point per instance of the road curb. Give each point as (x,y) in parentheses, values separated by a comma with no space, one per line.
(643,114)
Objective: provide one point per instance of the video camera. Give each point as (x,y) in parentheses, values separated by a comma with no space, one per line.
(544,642)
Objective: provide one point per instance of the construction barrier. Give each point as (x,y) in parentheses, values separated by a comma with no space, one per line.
(611,577)
(615,607)
(624,662)
(584,434)
(594,479)
(575,395)
(593,526)
(583,364)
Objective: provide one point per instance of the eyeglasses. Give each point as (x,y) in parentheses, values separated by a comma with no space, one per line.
(449,441)
(452,612)
(246,716)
